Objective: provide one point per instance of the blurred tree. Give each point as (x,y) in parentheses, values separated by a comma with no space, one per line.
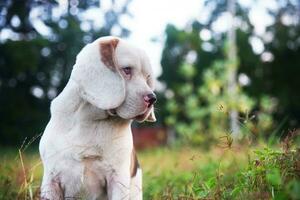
(232,67)
(39,41)
(278,72)
(269,77)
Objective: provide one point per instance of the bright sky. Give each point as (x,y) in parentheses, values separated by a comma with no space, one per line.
(150,20)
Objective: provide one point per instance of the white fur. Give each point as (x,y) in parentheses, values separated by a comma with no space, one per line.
(86,152)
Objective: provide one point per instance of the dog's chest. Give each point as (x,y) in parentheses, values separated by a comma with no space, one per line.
(91,169)
(84,175)
(86,156)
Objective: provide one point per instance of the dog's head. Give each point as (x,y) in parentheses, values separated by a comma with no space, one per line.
(117,77)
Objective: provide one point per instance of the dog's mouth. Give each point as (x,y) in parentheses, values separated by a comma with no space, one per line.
(138,118)
(142,117)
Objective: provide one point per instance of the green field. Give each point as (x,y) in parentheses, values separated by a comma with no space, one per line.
(235,172)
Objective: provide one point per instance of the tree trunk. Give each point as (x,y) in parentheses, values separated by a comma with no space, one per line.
(232,68)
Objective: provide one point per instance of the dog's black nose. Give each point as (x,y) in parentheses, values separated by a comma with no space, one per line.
(150,99)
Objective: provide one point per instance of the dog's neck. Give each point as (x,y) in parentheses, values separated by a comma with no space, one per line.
(72,106)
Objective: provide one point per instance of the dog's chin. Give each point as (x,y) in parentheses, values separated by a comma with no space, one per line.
(141,117)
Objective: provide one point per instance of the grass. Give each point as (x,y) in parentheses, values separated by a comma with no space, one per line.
(232,172)
(20,174)
(237,173)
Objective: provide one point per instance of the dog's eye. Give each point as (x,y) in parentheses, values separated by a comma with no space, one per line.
(127,70)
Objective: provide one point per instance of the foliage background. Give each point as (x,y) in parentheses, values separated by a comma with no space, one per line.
(34,68)
(195,71)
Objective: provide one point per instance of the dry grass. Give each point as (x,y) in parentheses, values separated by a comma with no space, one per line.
(169,173)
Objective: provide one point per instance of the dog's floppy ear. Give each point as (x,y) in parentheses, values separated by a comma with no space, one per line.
(151,117)
(97,74)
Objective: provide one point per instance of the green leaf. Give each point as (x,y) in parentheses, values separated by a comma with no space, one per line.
(273,177)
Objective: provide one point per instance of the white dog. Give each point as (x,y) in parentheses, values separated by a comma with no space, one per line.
(87,148)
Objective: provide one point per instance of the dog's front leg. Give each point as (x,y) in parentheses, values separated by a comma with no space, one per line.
(118,187)
(136,192)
